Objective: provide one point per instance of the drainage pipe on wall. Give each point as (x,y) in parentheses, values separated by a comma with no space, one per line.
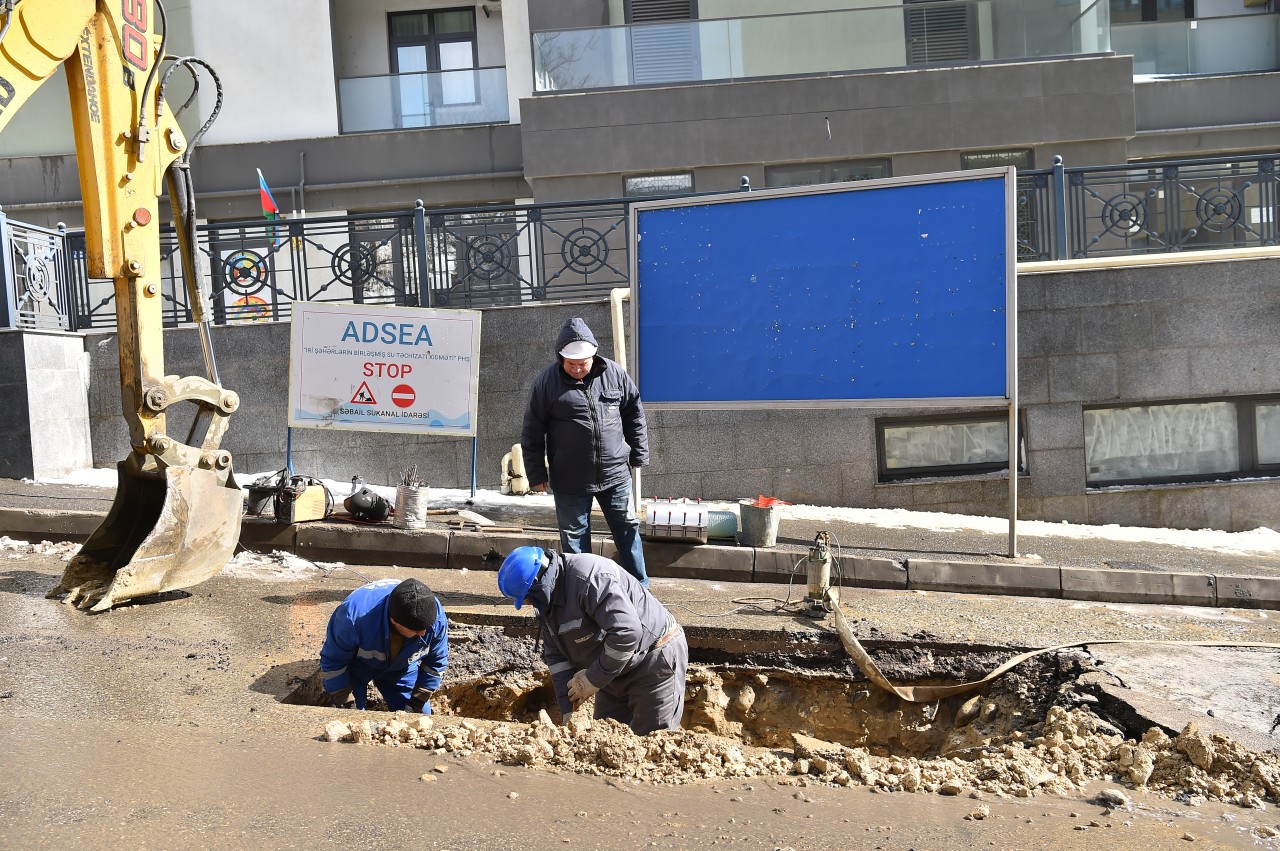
(617,295)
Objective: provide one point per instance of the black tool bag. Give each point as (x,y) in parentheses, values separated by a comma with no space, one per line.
(262,492)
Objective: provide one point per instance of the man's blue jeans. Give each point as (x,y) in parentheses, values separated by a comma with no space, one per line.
(573,515)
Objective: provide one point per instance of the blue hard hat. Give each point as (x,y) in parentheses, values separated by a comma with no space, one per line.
(518,571)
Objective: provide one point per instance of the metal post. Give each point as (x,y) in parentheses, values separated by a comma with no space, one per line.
(8,299)
(1013,474)
(65,295)
(1011,353)
(288,450)
(1172,209)
(474,442)
(1060,250)
(424,268)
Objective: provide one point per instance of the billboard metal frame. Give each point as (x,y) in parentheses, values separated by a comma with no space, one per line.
(1008,400)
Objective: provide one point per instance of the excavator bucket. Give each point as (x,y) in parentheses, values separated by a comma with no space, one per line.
(164,531)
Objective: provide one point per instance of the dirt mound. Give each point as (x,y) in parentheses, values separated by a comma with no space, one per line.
(582,745)
(1074,748)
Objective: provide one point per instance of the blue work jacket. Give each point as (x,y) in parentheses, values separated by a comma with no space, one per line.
(358,642)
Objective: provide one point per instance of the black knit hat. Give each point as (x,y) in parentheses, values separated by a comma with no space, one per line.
(412,605)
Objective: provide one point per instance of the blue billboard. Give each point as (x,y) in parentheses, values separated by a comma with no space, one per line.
(885,292)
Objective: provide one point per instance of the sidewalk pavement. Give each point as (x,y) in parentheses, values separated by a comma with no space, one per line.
(867,556)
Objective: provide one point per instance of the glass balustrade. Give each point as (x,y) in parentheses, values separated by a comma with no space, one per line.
(425,99)
(854,39)
(1228,45)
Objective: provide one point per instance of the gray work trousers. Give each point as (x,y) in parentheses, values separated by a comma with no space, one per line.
(651,696)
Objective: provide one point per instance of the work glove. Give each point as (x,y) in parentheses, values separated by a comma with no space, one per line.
(336,699)
(580,688)
(420,701)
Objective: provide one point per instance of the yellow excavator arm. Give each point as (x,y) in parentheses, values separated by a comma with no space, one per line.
(177,511)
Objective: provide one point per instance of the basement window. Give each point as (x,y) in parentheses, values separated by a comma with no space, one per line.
(657,185)
(811,174)
(1188,441)
(1019,158)
(919,447)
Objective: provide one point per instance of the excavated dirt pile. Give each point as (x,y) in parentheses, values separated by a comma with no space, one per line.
(1069,754)
(1027,734)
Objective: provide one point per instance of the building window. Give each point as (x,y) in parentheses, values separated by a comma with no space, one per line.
(1182,441)
(1267,426)
(810,174)
(943,446)
(1020,158)
(938,32)
(434,55)
(655,185)
(1139,11)
(665,48)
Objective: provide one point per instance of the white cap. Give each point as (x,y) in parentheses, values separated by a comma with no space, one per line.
(577,350)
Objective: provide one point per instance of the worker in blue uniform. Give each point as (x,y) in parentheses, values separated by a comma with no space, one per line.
(392,634)
(604,635)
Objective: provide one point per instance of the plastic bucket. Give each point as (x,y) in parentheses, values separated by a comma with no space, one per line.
(758,526)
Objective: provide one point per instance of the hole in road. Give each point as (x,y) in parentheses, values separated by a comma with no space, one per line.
(500,677)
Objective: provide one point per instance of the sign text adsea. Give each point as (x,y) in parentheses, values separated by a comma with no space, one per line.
(403,333)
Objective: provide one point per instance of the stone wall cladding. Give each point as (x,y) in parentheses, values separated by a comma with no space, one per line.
(1197,330)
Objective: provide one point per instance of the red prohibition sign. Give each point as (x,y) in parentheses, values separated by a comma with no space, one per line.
(403,395)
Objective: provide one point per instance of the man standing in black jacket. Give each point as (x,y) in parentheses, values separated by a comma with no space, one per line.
(585,416)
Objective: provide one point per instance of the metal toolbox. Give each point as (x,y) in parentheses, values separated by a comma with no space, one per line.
(675,520)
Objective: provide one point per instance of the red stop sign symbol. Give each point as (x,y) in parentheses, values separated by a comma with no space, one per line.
(403,395)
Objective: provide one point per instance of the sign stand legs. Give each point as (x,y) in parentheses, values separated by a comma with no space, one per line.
(474,442)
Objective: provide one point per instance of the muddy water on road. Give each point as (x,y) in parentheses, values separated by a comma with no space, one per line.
(160,726)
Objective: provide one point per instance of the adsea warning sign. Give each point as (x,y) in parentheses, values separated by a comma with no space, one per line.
(384,368)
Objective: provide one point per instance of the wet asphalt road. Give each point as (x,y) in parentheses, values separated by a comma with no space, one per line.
(159,725)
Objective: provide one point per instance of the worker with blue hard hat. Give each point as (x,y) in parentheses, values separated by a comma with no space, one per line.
(603,635)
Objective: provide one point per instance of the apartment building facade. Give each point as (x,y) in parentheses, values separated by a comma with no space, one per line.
(350,105)
(358,107)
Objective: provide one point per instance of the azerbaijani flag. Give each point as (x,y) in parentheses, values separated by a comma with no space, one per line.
(269,208)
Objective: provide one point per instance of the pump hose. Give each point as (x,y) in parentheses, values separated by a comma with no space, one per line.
(928,694)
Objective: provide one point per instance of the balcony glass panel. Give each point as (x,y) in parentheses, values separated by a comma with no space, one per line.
(435,99)
(1205,46)
(878,35)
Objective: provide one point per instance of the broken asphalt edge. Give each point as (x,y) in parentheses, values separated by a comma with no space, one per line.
(444,548)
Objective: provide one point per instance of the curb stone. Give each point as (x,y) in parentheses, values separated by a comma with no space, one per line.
(1248,592)
(983,577)
(1138,586)
(440,548)
(46,525)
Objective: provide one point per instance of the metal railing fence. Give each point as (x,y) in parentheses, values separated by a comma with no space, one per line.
(520,254)
(33,277)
